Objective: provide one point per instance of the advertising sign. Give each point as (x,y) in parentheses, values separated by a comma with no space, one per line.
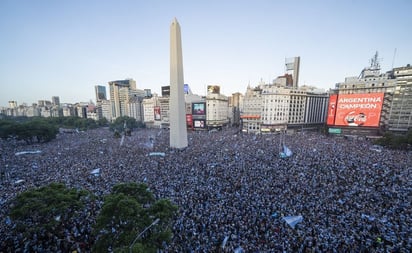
(332,110)
(214,89)
(199,108)
(359,109)
(199,123)
(157,113)
(165,91)
(189,120)
(335,130)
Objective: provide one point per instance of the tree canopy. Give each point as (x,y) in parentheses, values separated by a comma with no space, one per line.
(34,130)
(131,123)
(39,129)
(396,141)
(126,213)
(47,209)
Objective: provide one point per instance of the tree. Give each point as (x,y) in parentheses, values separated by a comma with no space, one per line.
(44,212)
(127,212)
(36,129)
(394,141)
(102,122)
(7,128)
(131,123)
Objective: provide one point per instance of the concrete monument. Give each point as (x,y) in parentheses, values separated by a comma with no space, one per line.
(178,130)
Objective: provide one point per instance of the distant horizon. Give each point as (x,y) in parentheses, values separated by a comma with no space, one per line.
(64,49)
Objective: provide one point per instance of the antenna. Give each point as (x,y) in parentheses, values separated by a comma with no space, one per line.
(394,55)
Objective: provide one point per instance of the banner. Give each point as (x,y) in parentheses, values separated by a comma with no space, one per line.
(359,109)
(157,113)
(331,110)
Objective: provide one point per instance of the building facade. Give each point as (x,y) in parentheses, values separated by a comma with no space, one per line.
(216,108)
(396,87)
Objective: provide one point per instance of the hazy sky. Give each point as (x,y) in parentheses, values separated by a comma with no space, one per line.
(65,48)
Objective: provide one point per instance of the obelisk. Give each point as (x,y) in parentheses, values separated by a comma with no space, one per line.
(178,130)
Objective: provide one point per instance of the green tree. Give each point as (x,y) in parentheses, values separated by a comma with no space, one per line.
(47,208)
(7,128)
(131,123)
(35,129)
(126,213)
(102,122)
(394,141)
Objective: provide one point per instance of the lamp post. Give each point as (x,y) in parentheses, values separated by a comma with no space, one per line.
(141,233)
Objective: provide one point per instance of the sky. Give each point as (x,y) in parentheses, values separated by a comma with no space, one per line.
(64,48)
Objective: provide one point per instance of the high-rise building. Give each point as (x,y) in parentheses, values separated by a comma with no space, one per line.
(100,91)
(292,66)
(55,101)
(400,113)
(121,91)
(235,108)
(178,130)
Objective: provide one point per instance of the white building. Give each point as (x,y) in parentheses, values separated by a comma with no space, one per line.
(275,107)
(67,110)
(275,110)
(151,111)
(106,108)
(135,108)
(216,110)
(252,110)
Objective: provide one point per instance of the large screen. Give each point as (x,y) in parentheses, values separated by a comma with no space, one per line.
(356,109)
(199,108)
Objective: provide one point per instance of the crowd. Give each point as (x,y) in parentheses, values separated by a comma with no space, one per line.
(233,190)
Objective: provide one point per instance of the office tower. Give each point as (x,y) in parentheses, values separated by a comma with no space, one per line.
(120,93)
(100,93)
(292,65)
(55,101)
(178,130)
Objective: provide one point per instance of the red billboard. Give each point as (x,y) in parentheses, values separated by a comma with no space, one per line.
(358,109)
(189,120)
(332,110)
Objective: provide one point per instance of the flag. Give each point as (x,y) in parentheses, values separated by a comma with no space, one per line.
(292,221)
(287,151)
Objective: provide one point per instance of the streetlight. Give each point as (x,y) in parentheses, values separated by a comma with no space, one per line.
(141,233)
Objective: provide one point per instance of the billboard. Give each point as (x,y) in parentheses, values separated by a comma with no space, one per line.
(214,89)
(332,110)
(358,109)
(165,91)
(199,108)
(189,120)
(199,123)
(157,113)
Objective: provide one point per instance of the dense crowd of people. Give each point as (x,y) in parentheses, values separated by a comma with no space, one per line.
(233,190)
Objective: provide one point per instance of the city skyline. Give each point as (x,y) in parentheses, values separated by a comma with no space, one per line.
(66,48)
